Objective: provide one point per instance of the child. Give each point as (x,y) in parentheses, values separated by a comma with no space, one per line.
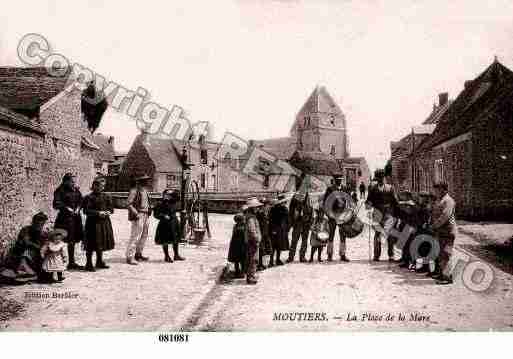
(319,236)
(168,229)
(237,250)
(54,255)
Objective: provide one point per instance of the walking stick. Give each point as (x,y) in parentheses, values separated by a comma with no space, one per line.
(372,216)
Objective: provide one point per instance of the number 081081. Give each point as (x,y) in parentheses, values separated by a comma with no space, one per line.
(173,338)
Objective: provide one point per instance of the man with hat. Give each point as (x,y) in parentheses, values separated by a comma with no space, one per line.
(301,218)
(444,226)
(253,237)
(279,227)
(339,185)
(263,220)
(139,210)
(383,200)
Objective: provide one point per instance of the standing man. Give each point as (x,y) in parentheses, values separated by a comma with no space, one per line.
(253,237)
(382,199)
(362,191)
(67,199)
(301,215)
(139,210)
(444,226)
(279,227)
(265,244)
(338,204)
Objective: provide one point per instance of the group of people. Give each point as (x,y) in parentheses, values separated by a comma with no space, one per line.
(39,253)
(263,228)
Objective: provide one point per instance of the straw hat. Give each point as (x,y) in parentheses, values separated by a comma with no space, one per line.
(251,202)
(58,232)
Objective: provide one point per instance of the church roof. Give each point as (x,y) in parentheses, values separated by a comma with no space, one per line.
(320,101)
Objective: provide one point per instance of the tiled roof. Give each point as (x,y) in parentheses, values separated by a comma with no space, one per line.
(316,163)
(106,152)
(320,101)
(474,102)
(282,148)
(161,152)
(437,113)
(25,89)
(19,121)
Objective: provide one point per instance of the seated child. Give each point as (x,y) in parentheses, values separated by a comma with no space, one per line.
(319,235)
(54,255)
(237,249)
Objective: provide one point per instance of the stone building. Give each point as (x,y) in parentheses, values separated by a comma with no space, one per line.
(104,157)
(402,150)
(471,148)
(42,136)
(317,145)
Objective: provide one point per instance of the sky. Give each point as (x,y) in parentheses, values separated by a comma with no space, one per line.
(248,66)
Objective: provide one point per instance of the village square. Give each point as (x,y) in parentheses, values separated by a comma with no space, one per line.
(281,166)
(206,283)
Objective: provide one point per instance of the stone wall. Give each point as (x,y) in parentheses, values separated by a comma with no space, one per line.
(32,166)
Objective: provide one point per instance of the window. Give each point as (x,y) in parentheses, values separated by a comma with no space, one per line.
(171,181)
(439,170)
(266,181)
(213,184)
(332,150)
(203,156)
(203,180)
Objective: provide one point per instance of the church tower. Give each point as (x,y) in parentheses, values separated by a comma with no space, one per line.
(320,126)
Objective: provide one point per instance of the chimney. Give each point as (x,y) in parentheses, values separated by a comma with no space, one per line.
(443,98)
(111,140)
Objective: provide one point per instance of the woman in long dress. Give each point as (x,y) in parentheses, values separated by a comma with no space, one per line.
(98,207)
(67,199)
(168,229)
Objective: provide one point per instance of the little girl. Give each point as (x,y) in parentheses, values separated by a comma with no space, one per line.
(319,236)
(54,255)
(237,250)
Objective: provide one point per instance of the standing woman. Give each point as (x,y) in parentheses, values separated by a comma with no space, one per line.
(99,236)
(168,229)
(279,227)
(67,199)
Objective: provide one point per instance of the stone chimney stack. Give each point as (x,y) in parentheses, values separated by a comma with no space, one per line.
(111,140)
(443,98)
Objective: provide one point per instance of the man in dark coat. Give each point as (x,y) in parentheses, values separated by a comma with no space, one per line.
(67,199)
(301,216)
(265,248)
(279,227)
(337,204)
(383,200)
(25,257)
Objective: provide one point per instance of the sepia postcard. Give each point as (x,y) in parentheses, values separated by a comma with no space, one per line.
(256,166)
